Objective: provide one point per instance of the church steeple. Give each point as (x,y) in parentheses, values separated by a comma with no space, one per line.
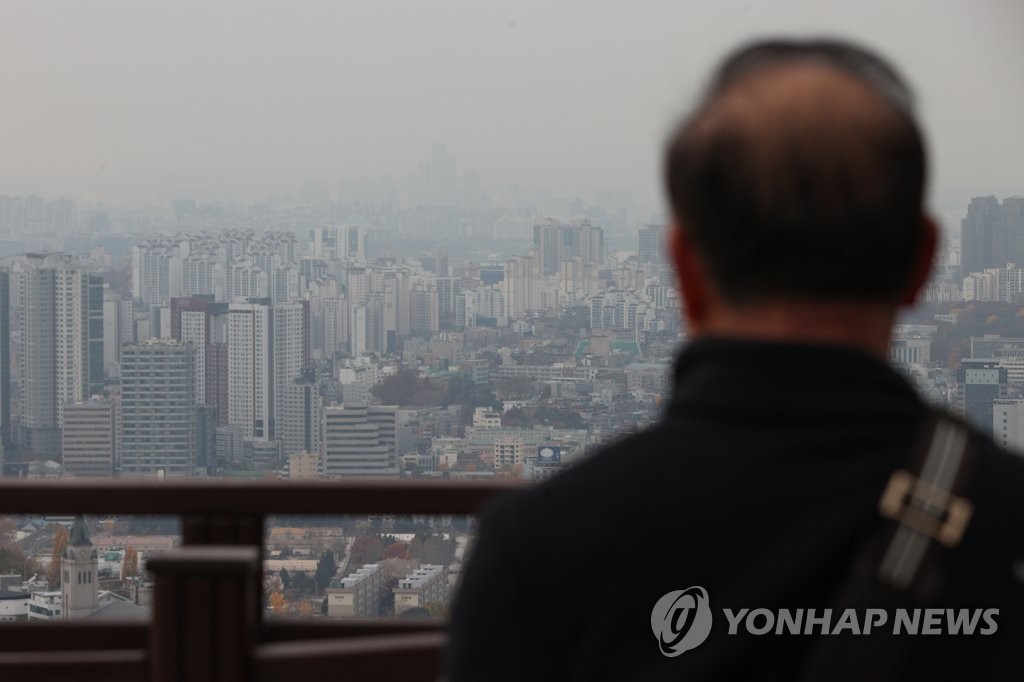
(79,536)
(79,573)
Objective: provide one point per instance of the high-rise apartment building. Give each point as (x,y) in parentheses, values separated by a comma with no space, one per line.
(96,337)
(5,361)
(250,367)
(359,440)
(300,412)
(200,321)
(54,295)
(290,348)
(558,242)
(158,409)
(151,270)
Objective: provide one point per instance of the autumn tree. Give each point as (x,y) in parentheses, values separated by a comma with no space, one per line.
(130,563)
(60,542)
(396,550)
(366,549)
(277,603)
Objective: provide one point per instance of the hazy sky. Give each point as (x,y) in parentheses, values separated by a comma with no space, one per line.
(128,99)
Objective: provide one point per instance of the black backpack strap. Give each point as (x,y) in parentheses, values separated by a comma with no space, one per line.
(926,512)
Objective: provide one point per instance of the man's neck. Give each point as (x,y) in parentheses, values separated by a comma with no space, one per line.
(856,325)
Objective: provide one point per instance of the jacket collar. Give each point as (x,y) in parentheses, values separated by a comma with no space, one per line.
(788,379)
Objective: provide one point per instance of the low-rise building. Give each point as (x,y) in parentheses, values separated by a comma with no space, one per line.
(428,584)
(356,595)
(303,466)
(509,453)
(13,605)
(45,606)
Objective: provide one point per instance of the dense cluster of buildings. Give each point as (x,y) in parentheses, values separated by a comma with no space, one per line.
(220,351)
(231,350)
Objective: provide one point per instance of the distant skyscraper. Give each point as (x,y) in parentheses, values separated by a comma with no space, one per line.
(96,340)
(54,297)
(359,440)
(250,368)
(448,291)
(118,327)
(353,242)
(560,242)
(651,243)
(158,409)
(992,234)
(290,348)
(5,361)
(200,321)
(151,271)
(300,410)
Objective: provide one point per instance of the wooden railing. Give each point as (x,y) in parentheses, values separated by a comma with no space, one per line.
(207,617)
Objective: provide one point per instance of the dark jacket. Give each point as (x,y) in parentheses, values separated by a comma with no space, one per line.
(757,485)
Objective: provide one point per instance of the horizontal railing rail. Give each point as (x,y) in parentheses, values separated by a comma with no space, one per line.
(111,665)
(212,498)
(411,657)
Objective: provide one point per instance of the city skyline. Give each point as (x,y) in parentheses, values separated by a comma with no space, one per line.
(186,100)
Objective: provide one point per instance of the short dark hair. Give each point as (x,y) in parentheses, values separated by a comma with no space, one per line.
(804,207)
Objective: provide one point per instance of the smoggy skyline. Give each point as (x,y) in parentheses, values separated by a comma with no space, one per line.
(122,101)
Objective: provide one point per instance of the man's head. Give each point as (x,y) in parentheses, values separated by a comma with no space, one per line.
(799,181)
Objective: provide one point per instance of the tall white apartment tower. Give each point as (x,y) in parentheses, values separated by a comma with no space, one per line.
(53,357)
(151,271)
(290,325)
(250,368)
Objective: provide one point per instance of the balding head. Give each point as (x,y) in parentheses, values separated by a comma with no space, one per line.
(801,175)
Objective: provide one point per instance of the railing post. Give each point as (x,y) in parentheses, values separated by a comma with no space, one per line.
(205,617)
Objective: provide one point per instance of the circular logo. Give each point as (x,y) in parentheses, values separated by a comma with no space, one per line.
(547,453)
(681,620)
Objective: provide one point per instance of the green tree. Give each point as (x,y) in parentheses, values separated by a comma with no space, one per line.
(286,580)
(326,567)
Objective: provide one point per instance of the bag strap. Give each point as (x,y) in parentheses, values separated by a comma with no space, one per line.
(925,514)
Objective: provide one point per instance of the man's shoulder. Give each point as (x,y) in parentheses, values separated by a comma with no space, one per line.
(997,491)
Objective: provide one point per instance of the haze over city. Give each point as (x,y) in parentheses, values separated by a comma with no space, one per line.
(132,103)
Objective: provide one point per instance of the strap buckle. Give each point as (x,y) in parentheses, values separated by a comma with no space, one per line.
(926,509)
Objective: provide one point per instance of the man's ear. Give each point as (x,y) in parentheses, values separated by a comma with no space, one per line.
(693,284)
(923,260)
